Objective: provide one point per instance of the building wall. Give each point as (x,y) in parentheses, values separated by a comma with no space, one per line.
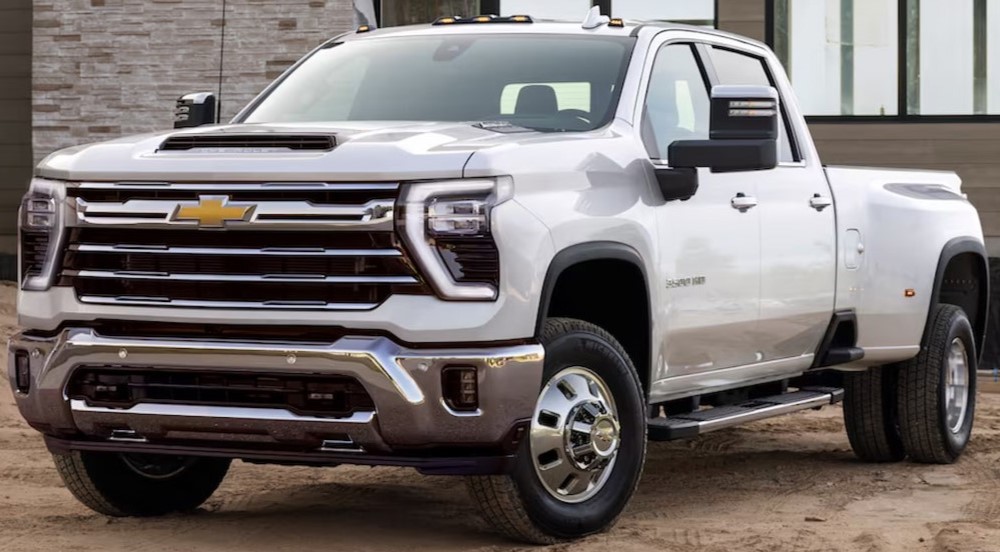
(107,68)
(15,117)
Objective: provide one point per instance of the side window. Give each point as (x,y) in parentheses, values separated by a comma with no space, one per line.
(738,68)
(677,102)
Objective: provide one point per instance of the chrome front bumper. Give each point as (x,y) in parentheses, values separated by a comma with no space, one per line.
(405,386)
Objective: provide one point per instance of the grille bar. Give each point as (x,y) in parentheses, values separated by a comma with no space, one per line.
(224,251)
(289,278)
(235,305)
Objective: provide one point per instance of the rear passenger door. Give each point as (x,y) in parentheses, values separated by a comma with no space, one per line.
(797,225)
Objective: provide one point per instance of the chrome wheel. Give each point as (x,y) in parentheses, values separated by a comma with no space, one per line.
(956,389)
(575,435)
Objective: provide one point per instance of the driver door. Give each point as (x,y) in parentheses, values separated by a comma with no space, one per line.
(709,250)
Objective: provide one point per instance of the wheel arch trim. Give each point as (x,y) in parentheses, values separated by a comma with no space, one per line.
(955,247)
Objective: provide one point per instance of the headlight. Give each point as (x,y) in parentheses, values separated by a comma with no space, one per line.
(446,225)
(39,231)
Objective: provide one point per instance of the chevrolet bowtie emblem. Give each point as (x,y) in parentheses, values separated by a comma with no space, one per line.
(213,212)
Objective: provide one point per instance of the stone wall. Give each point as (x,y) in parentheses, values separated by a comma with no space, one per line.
(106,68)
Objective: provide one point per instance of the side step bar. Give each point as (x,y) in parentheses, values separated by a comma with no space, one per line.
(692,424)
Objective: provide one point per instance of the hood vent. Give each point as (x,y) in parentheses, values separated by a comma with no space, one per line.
(250,142)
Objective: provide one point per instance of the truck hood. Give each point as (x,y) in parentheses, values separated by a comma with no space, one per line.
(363,151)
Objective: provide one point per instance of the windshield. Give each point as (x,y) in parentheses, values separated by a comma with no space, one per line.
(542,82)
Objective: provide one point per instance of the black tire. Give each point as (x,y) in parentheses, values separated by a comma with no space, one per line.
(923,419)
(870,415)
(115,485)
(518,505)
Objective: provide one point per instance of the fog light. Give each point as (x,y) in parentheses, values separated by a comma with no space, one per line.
(22,371)
(460,386)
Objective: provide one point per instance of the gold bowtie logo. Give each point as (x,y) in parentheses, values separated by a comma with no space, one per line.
(213,212)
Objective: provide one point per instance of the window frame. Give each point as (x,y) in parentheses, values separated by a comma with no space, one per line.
(803,150)
(902,77)
(707,77)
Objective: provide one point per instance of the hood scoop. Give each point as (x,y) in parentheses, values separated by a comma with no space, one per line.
(249,143)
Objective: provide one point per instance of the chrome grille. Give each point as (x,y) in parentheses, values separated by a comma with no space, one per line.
(306,246)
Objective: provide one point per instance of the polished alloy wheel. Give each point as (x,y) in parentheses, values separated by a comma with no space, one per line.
(575,435)
(156,466)
(956,388)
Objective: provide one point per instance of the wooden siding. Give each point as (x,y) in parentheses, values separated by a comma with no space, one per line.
(15,114)
(743,17)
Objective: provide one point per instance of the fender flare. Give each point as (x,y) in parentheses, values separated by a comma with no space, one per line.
(955,247)
(590,251)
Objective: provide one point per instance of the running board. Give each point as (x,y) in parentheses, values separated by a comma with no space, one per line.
(692,424)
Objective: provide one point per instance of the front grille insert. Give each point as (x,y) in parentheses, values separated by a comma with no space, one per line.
(290,264)
(305,395)
(294,142)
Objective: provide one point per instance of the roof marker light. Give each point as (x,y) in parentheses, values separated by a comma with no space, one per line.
(616,22)
(450,20)
(364,28)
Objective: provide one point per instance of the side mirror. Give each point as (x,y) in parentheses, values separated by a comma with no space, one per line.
(195,110)
(743,132)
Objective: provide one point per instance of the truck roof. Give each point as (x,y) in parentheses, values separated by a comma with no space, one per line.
(537,26)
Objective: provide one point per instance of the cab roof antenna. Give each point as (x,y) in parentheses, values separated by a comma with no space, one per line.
(594,18)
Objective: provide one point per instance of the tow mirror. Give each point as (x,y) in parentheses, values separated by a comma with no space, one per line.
(194,110)
(743,132)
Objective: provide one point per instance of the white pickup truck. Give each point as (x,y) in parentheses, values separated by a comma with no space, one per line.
(491,246)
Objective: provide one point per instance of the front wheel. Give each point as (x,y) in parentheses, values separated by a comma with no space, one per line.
(140,484)
(585,450)
(937,390)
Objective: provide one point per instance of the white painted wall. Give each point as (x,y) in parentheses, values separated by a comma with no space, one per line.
(572,10)
(814,52)
(876,53)
(664,10)
(946,57)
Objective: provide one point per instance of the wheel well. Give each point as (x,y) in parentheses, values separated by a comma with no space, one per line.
(612,294)
(965,283)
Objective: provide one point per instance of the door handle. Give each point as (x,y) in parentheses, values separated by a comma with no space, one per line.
(742,202)
(819,202)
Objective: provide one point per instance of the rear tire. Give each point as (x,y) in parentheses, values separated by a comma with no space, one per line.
(535,503)
(937,390)
(145,485)
(870,415)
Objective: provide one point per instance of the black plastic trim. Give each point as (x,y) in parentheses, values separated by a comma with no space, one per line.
(952,249)
(823,355)
(591,251)
(495,464)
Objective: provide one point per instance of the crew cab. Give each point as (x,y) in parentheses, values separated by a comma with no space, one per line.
(508,249)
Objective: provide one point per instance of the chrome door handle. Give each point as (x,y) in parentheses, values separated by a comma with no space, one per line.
(819,202)
(742,202)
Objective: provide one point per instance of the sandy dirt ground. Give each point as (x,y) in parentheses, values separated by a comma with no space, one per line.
(784,484)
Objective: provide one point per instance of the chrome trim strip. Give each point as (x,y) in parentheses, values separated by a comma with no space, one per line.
(187,303)
(269,251)
(160,212)
(225,412)
(221,187)
(765,412)
(266,278)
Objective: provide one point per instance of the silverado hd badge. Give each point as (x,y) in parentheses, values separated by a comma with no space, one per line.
(212,212)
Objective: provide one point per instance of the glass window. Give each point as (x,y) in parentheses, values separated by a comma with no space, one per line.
(569,95)
(412,12)
(841,55)
(457,77)
(948,47)
(677,103)
(737,68)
